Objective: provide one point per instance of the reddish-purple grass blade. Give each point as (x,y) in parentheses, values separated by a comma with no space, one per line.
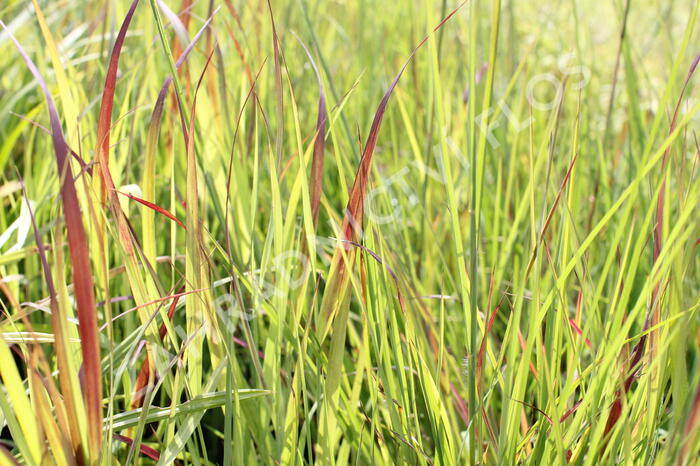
(352,223)
(354,211)
(460,404)
(60,345)
(691,426)
(182,19)
(105,120)
(145,450)
(145,371)
(82,276)
(236,43)
(158,108)
(552,210)
(319,142)
(154,207)
(655,317)
(571,411)
(278,88)
(658,230)
(659,227)
(631,375)
(578,330)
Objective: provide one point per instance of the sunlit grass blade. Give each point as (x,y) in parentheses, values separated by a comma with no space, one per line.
(25,429)
(198,404)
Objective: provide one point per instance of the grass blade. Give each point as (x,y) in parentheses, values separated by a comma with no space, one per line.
(82,275)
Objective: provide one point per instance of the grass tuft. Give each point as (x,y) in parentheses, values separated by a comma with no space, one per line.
(262,235)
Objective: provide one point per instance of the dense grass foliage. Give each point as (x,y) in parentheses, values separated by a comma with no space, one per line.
(349,232)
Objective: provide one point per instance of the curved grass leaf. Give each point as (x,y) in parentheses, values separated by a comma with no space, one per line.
(82,275)
(197,405)
(104,122)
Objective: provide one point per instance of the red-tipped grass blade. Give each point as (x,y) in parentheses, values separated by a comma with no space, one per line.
(154,207)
